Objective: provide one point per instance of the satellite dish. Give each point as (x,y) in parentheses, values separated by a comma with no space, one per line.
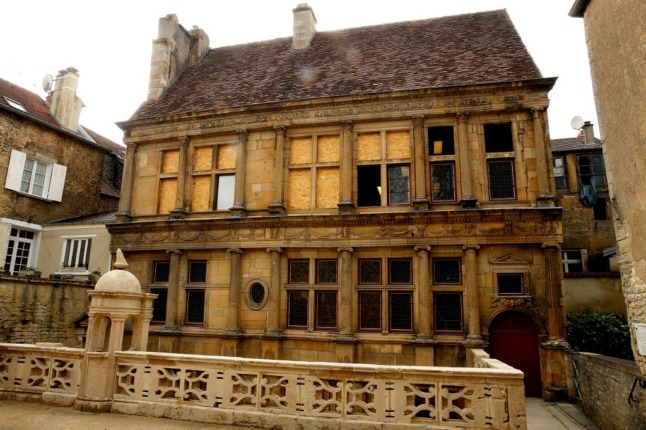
(47,83)
(577,123)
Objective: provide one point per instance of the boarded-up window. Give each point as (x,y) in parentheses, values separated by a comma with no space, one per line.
(213,177)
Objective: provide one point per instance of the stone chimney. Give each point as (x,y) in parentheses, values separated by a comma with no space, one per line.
(174,50)
(64,105)
(588,133)
(304,26)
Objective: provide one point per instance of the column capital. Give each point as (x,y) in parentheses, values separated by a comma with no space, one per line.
(550,246)
(242,133)
(537,112)
(347,125)
(184,140)
(422,248)
(418,120)
(275,250)
(342,250)
(280,129)
(235,251)
(462,116)
(174,252)
(473,248)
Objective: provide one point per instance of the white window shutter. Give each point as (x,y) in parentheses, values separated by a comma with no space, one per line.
(57,183)
(14,172)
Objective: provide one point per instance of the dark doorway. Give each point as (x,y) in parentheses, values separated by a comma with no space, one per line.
(513,339)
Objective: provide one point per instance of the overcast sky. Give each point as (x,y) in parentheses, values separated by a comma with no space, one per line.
(110,43)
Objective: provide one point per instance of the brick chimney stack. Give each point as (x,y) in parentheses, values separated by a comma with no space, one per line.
(304,26)
(65,106)
(588,133)
(174,50)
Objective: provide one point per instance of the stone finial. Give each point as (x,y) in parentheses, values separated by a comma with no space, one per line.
(120,263)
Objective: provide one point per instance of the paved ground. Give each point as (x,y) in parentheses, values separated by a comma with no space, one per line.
(15,415)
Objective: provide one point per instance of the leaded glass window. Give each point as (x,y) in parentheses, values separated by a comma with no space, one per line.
(326,309)
(443,182)
(400,271)
(195,306)
(398,185)
(401,311)
(370,310)
(326,271)
(299,271)
(501,180)
(446,271)
(297,309)
(369,272)
(448,311)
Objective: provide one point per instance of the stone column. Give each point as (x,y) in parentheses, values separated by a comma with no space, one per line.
(472,296)
(347,144)
(273,311)
(126,184)
(421,200)
(238,209)
(233,315)
(277,207)
(467,198)
(555,323)
(425,298)
(544,197)
(174,291)
(180,200)
(345,290)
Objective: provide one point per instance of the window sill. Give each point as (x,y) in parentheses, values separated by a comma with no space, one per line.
(33,196)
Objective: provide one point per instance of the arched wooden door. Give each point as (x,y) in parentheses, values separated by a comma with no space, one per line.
(513,339)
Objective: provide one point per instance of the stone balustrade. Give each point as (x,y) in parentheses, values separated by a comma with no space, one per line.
(280,394)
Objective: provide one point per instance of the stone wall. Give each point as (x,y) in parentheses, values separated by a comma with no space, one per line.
(605,384)
(42,310)
(84,162)
(619,86)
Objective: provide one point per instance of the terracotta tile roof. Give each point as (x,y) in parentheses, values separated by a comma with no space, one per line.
(573,144)
(109,190)
(458,50)
(37,110)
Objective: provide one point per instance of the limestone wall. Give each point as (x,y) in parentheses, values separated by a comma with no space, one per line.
(617,61)
(605,384)
(42,310)
(602,293)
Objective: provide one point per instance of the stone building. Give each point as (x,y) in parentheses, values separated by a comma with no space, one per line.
(379,194)
(52,168)
(590,270)
(617,61)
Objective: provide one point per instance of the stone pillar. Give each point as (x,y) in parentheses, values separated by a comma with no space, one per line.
(467,198)
(425,298)
(421,200)
(347,144)
(233,315)
(345,290)
(555,323)
(472,296)
(180,200)
(277,207)
(173,295)
(544,197)
(126,185)
(273,311)
(238,209)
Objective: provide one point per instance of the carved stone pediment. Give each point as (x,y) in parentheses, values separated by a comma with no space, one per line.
(510,258)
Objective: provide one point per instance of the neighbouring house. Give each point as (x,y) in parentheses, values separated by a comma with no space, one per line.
(617,62)
(590,268)
(52,168)
(371,195)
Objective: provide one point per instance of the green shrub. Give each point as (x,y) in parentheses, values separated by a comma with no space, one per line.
(599,332)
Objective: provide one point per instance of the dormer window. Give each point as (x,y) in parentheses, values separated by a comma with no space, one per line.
(14,104)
